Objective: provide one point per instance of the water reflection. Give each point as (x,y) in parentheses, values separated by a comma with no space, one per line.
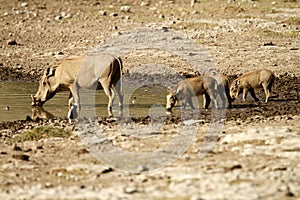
(15,102)
(40,112)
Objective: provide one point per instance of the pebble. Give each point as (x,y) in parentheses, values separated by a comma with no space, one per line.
(130,190)
(125,8)
(12,42)
(24,4)
(63,15)
(143,3)
(113,14)
(21,157)
(17,148)
(103,12)
(142,168)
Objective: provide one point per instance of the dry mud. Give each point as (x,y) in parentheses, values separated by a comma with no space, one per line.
(256,155)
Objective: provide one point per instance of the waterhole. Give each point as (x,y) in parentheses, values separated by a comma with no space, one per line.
(15,102)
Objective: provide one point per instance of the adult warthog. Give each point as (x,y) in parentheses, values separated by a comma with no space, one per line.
(224,90)
(261,78)
(63,75)
(98,71)
(186,89)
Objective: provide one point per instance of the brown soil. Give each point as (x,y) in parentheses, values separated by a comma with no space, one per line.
(255,157)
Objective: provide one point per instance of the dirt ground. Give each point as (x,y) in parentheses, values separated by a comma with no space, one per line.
(256,155)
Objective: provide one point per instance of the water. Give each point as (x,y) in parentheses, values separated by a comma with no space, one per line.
(15,102)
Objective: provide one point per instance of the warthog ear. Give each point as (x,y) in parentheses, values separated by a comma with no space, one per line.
(50,72)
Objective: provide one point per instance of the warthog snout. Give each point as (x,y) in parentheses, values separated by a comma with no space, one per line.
(168,108)
(35,101)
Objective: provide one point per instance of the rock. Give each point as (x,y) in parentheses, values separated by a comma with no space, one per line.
(103,12)
(269,44)
(21,157)
(125,8)
(107,170)
(130,190)
(17,148)
(113,14)
(142,168)
(58,17)
(193,121)
(63,15)
(24,4)
(161,16)
(193,3)
(12,42)
(143,3)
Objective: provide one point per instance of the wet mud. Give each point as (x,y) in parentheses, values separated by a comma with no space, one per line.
(284,101)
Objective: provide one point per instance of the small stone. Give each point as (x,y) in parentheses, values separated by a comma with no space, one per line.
(107,170)
(142,168)
(269,44)
(24,4)
(143,3)
(95,4)
(17,148)
(125,8)
(114,14)
(21,157)
(82,187)
(12,42)
(48,185)
(103,12)
(130,190)
(59,174)
(58,17)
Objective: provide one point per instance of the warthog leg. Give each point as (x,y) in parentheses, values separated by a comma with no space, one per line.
(75,104)
(252,93)
(70,100)
(111,95)
(245,91)
(206,100)
(191,103)
(117,89)
(267,91)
